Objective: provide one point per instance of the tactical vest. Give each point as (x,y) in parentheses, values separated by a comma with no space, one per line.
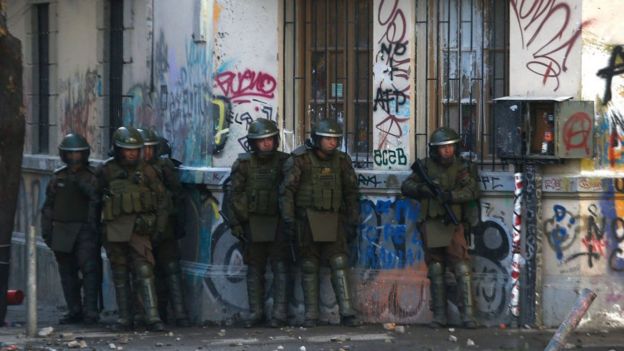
(446,178)
(159,166)
(262,186)
(127,195)
(321,188)
(70,203)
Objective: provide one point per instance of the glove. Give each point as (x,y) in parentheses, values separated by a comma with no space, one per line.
(47,238)
(289,230)
(351,232)
(180,227)
(445,197)
(424,192)
(157,236)
(238,232)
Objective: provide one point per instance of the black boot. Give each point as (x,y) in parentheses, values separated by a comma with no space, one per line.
(255,294)
(138,308)
(310,285)
(438,295)
(145,276)
(68,271)
(91,290)
(464,282)
(280,294)
(122,295)
(173,278)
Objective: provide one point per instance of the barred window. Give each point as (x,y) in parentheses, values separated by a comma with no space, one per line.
(459,64)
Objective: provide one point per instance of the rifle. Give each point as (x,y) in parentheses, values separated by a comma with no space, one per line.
(293,242)
(419,168)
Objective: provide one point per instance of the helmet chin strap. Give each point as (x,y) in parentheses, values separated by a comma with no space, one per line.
(446,161)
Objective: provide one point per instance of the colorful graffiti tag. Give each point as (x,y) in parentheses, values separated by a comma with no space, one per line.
(550,49)
(588,237)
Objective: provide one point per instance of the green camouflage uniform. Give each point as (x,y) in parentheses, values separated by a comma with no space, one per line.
(134,213)
(445,243)
(319,203)
(254,204)
(165,250)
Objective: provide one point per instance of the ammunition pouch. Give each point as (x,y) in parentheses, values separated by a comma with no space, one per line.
(145,224)
(115,205)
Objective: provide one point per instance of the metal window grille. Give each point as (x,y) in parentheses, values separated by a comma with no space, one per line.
(461,65)
(43,77)
(116,65)
(327,74)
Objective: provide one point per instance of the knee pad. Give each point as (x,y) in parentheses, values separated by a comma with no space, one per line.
(339,262)
(144,271)
(309,267)
(171,267)
(280,267)
(435,269)
(462,268)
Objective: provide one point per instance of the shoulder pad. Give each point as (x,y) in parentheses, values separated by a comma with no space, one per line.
(245,156)
(108,160)
(301,150)
(176,163)
(166,162)
(60,169)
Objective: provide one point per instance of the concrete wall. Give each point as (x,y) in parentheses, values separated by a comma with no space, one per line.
(545,44)
(557,49)
(200,71)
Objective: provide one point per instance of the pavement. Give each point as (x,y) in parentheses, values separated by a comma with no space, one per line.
(332,337)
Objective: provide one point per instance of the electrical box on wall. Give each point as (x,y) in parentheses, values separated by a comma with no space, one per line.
(543,128)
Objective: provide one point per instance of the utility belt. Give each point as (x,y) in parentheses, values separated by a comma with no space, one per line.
(116,205)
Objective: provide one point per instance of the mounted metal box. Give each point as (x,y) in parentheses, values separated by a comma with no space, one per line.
(543,128)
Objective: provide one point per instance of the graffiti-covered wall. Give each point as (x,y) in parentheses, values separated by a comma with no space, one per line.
(568,47)
(200,72)
(545,47)
(203,75)
(392,79)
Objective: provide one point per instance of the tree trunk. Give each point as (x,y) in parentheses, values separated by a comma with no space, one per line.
(11,145)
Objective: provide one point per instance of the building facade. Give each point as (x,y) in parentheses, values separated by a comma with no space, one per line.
(391,71)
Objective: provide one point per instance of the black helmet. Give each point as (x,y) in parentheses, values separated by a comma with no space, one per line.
(325,128)
(259,129)
(74,142)
(127,138)
(442,136)
(150,138)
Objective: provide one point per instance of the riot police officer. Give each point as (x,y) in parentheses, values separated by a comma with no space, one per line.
(319,206)
(134,211)
(70,218)
(255,178)
(165,250)
(452,181)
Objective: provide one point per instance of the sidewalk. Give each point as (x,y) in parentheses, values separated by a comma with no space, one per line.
(336,338)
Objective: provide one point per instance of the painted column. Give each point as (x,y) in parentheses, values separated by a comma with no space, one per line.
(392,77)
(516,260)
